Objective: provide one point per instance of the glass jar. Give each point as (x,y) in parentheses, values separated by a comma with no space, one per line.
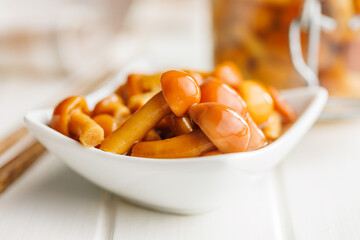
(255,35)
(339,58)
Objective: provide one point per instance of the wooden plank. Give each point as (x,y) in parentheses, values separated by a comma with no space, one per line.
(246,216)
(50,202)
(321,179)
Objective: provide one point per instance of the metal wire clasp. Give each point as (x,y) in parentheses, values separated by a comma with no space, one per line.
(312,21)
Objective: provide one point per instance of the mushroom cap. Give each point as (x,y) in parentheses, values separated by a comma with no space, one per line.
(180,91)
(112,105)
(228,131)
(60,118)
(106,122)
(259,102)
(257,137)
(213,90)
(229,73)
(281,105)
(197,75)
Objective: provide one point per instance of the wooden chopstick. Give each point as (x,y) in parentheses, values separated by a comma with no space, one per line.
(18,164)
(13,138)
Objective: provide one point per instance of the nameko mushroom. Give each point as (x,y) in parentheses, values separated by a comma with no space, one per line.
(214,90)
(71,118)
(179,92)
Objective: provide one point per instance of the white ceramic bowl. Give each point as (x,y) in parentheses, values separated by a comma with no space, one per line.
(184,186)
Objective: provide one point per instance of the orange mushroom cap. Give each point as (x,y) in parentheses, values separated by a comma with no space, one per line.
(62,111)
(257,137)
(112,105)
(180,91)
(281,105)
(106,122)
(228,131)
(213,90)
(229,73)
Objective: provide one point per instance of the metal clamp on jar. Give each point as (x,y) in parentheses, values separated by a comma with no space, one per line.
(332,53)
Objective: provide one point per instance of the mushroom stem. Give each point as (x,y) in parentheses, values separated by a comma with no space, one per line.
(106,122)
(179,125)
(137,125)
(81,126)
(187,145)
(179,92)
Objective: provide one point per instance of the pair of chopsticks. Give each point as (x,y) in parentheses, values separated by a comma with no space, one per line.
(19,150)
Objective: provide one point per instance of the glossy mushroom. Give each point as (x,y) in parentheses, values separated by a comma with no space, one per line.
(186,145)
(281,105)
(113,106)
(71,118)
(258,100)
(229,73)
(213,90)
(179,92)
(179,125)
(222,125)
(107,122)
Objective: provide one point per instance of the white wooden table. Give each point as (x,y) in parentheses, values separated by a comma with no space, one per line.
(320,182)
(320,193)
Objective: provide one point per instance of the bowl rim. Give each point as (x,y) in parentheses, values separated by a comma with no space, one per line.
(315,106)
